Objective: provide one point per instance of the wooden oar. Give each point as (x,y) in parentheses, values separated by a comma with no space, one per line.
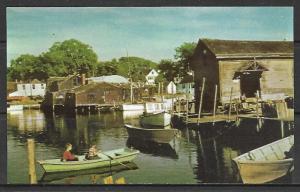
(111,158)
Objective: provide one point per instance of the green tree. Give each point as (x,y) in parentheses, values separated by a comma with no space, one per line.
(70,56)
(27,67)
(135,67)
(106,68)
(169,69)
(183,55)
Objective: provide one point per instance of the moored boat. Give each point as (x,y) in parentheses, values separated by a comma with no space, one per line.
(107,159)
(132,107)
(160,119)
(266,163)
(157,135)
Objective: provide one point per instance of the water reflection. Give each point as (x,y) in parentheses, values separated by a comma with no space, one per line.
(199,156)
(156,149)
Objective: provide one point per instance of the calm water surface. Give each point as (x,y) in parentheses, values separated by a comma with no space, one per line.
(196,156)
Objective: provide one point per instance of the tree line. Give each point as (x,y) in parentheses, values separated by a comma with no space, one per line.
(73,56)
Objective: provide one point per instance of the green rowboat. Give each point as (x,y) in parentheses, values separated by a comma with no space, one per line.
(107,159)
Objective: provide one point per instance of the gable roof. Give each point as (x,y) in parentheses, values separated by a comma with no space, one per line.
(152,72)
(249,48)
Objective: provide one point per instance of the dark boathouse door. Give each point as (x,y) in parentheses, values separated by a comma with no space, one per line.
(250,83)
(249,76)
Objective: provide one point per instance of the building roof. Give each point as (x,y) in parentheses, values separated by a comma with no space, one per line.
(102,85)
(109,79)
(187,79)
(249,48)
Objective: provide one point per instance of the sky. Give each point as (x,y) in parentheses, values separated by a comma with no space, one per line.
(151,33)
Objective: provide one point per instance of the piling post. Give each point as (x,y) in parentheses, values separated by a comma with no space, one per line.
(201,100)
(282,128)
(187,108)
(162,92)
(257,97)
(31,161)
(230,98)
(215,104)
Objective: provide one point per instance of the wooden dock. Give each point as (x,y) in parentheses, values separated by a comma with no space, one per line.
(192,120)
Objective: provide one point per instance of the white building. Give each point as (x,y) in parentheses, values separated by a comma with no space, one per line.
(150,78)
(171,88)
(29,89)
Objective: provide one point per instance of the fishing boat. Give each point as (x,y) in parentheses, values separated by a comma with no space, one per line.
(160,119)
(157,135)
(266,163)
(132,107)
(107,159)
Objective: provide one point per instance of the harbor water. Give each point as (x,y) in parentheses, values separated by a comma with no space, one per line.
(202,155)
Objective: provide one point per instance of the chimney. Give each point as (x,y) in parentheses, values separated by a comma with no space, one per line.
(83,79)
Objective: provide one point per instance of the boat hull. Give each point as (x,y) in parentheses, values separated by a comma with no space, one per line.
(132,107)
(56,165)
(15,108)
(266,163)
(156,135)
(263,172)
(162,119)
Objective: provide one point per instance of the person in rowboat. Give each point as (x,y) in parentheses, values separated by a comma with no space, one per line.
(93,153)
(68,156)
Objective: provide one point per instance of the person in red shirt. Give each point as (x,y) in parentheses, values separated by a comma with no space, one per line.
(68,156)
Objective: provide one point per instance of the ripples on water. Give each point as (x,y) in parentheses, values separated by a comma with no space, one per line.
(198,156)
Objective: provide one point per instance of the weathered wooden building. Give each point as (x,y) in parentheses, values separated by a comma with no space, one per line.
(246,67)
(94,94)
(57,88)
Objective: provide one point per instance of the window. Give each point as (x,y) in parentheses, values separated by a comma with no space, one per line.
(42,86)
(23,87)
(33,86)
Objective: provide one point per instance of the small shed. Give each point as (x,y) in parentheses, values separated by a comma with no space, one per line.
(171,88)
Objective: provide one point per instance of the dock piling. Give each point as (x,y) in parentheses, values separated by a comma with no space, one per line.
(215,103)
(201,100)
(230,98)
(187,108)
(31,161)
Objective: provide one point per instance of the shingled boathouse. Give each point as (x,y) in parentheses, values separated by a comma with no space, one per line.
(246,67)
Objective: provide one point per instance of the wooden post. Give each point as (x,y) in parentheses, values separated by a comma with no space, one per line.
(282,128)
(187,109)
(131,91)
(229,113)
(31,161)
(257,97)
(172,101)
(162,92)
(158,91)
(215,104)
(201,100)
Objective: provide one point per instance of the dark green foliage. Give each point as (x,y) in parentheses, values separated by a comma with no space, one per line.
(63,58)
(171,69)
(135,67)
(27,67)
